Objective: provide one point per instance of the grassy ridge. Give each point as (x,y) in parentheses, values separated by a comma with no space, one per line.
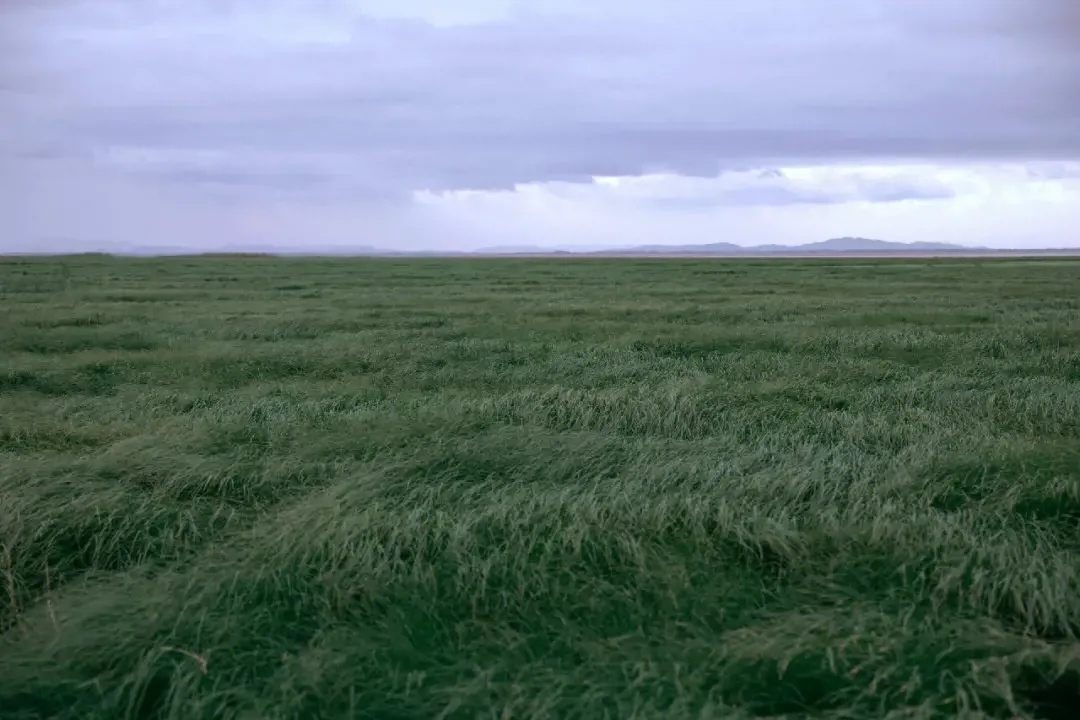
(259,487)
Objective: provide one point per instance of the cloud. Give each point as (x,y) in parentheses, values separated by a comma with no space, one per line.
(773,187)
(993,205)
(346,108)
(779,187)
(559,96)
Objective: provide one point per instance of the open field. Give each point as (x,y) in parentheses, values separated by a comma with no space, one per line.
(303,488)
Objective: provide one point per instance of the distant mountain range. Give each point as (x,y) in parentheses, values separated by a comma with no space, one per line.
(836,245)
(520,250)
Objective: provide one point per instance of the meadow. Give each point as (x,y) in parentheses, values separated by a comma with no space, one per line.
(539,488)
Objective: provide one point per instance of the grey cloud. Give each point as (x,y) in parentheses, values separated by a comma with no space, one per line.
(1054,171)
(217,168)
(403,105)
(794,196)
(249,178)
(900,194)
(774,188)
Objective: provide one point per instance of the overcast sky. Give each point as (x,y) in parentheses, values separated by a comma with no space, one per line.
(407,124)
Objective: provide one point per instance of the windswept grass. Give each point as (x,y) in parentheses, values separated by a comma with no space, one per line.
(271,488)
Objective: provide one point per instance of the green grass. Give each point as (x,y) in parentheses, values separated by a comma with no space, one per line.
(292,488)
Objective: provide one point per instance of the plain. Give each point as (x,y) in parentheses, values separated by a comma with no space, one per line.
(539,488)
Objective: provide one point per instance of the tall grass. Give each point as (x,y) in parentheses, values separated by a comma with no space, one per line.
(282,488)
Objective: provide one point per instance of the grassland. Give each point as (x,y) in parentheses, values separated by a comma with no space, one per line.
(306,488)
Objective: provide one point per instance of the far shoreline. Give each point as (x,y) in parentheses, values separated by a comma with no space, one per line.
(602,255)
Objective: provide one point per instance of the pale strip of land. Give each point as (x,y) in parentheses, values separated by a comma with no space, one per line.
(783,256)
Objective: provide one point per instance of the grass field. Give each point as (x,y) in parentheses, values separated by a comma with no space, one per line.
(313,488)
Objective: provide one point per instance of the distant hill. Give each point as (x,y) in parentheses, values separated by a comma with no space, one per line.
(711,248)
(858,244)
(835,245)
(240,251)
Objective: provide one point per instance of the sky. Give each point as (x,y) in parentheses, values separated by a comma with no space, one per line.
(329,125)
